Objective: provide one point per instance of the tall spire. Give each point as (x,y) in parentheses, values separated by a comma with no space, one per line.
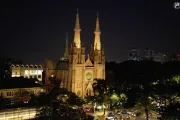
(77,30)
(97,41)
(97,23)
(66,47)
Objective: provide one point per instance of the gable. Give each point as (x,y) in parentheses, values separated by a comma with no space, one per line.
(88,62)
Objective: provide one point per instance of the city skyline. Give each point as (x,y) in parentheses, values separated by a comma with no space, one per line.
(33,31)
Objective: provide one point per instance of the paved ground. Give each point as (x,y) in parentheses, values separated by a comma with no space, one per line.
(99,116)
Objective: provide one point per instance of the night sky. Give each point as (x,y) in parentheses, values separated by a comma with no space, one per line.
(32,30)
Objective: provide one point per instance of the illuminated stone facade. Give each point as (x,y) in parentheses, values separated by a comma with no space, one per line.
(76,72)
(11,93)
(27,71)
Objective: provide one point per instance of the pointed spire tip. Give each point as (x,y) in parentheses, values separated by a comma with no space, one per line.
(77,11)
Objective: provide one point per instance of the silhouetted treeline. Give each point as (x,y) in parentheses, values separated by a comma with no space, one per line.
(5,69)
(130,71)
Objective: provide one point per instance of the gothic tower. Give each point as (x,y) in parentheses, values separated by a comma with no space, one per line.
(76,73)
(76,62)
(65,57)
(97,53)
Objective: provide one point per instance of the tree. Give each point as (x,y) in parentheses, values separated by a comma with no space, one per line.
(99,86)
(73,99)
(2,102)
(171,112)
(22,95)
(144,105)
(33,100)
(100,89)
(58,102)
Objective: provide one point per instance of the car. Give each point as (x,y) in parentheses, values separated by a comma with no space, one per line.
(87,109)
(110,118)
(118,113)
(110,114)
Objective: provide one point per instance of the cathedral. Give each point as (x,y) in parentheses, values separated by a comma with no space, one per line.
(74,70)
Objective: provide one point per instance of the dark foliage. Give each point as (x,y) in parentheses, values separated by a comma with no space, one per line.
(143,79)
(171,112)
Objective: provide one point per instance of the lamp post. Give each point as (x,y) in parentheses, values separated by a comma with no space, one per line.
(94,107)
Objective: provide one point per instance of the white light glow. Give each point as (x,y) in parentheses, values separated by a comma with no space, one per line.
(39,72)
(26,72)
(99,107)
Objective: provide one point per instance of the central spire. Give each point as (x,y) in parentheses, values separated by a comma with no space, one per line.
(66,47)
(77,39)
(97,41)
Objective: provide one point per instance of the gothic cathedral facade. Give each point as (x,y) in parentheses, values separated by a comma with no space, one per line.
(76,72)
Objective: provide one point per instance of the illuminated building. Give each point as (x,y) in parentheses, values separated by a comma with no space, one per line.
(174,57)
(15,87)
(27,71)
(11,92)
(75,71)
(147,54)
(134,54)
(160,57)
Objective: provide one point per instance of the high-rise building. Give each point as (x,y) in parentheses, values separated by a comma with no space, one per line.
(160,57)
(174,57)
(147,54)
(77,73)
(134,54)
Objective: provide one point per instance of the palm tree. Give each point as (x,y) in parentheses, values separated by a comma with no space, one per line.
(99,86)
(144,106)
(100,89)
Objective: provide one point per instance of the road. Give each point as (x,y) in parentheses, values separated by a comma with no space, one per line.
(99,116)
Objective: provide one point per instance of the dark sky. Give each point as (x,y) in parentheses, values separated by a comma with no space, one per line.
(33,30)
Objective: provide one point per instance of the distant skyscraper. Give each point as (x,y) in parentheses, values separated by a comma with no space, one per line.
(134,54)
(147,54)
(174,57)
(160,57)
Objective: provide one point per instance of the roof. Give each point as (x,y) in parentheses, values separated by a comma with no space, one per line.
(57,64)
(18,82)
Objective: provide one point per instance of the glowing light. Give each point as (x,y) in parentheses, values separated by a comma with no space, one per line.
(99,107)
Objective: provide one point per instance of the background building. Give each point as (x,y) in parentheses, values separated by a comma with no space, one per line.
(75,71)
(147,54)
(27,71)
(134,54)
(160,57)
(174,57)
(19,89)
(11,92)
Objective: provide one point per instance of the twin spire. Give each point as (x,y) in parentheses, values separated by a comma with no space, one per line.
(97,41)
(77,39)
(77,29)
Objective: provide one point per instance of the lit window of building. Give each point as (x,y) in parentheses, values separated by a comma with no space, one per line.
(27,71)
